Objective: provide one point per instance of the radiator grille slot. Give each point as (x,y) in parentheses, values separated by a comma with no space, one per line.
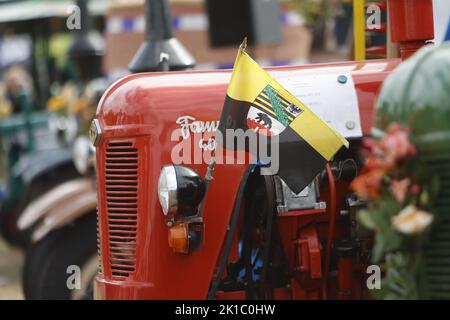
(121,187)
(437,252)
(99,251)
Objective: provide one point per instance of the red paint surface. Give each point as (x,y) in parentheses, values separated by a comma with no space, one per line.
(345,276)
(411,24)
(411,20)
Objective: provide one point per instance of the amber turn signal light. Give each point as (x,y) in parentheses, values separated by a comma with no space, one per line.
(185,237)
(179,238)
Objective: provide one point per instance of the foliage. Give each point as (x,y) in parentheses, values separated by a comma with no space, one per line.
(398,189)
(68,100)
(313,11)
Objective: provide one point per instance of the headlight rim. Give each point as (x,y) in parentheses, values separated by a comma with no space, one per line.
(185,194)
(172,190)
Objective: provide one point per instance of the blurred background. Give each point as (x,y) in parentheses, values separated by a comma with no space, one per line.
(56,60)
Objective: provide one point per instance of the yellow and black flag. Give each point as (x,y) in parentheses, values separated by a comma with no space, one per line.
(257,102)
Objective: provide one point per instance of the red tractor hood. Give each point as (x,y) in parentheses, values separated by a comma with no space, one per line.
(157,99)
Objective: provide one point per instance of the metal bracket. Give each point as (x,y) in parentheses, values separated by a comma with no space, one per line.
(287,200)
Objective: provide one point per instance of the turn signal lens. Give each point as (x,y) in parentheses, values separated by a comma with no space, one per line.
(179,238)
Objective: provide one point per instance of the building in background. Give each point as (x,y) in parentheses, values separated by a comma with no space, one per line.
(125,27)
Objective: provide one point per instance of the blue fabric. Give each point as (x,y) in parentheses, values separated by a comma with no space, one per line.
(128,24)
(447,34)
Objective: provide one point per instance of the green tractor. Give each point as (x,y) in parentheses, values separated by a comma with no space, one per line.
(35,156)
(416,95)
(36,145)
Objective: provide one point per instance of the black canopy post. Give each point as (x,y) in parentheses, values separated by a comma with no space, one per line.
(87,47)
(159,45)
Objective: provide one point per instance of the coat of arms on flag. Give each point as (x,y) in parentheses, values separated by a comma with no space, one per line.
(255,101)
(271,112)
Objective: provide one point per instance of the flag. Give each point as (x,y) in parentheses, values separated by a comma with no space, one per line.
(258,102)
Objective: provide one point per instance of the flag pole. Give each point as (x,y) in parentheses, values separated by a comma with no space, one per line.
(243,45)
(209,175)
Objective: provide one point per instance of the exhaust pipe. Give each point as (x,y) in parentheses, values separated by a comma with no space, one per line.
(160,50)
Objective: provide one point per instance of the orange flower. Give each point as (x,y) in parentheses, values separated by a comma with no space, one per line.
(367,185)
(383,156)
(375,163)
(399,189)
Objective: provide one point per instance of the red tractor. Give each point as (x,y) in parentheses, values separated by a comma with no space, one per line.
(250,237)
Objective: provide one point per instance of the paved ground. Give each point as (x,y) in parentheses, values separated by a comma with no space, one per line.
(10,272)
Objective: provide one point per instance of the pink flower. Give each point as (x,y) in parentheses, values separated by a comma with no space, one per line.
(382,157)
(399,189)
(372,148)
(415,189)
(396,145)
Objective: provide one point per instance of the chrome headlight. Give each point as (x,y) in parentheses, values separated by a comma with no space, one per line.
(83,155)
(167,190)
(180,190)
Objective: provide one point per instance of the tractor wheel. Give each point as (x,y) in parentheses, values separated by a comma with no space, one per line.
(50,265)
(10,214)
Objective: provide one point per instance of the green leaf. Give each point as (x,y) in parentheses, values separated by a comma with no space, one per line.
(378,248)
(366,220)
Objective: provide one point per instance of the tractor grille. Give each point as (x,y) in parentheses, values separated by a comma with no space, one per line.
(99,251)
(121,187)
(437,253)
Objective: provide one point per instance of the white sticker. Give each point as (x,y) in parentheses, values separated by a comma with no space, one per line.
(331,97)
